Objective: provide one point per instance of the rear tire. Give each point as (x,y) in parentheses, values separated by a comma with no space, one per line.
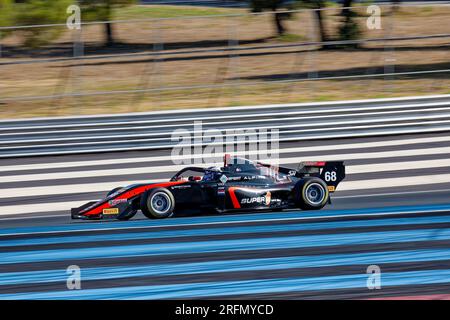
(158,203)
(311,194)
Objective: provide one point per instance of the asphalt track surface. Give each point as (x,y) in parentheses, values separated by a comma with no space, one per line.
(393,211)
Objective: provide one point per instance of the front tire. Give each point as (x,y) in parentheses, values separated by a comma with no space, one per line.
(158,203)
(311,194)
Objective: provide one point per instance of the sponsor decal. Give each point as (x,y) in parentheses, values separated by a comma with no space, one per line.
(221,191)
(262,199)
(223,179)
(246,178)
(117,201)
(314,163)
(253,177)
(183,186)
(111,211)
(331,188)
(268,198)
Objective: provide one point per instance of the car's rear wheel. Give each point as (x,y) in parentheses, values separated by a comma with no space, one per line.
(311,194)
(158,203)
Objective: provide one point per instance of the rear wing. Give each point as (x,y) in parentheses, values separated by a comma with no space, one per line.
(331,172)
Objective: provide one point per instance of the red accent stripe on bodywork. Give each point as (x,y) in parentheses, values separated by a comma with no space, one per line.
(315,163)
(233,197)
(131,193)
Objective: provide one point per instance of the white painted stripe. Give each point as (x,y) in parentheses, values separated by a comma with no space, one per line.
(94,173)
(68,204)
(26,217)
(306,216)
(397,166)
(41,207)
(373,155)
(96,187)
(394,182)
(65,206)
(68,189)
(391,194)
(344,186)
(73,164)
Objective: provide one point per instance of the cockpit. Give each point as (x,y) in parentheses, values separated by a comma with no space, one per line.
(235,167)
(236,164)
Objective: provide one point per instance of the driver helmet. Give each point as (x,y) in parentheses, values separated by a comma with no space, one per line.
(211,174)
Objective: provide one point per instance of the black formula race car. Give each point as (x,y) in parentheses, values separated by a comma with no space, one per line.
(240,185)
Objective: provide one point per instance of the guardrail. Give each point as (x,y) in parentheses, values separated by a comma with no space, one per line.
(153,130)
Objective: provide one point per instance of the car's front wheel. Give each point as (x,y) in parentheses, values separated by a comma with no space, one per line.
(311,194)
(157,203)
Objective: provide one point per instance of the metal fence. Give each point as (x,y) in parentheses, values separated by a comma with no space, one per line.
(224,126)
(78,54)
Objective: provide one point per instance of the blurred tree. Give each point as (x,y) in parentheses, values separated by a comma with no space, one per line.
(346,7)
(40,12)
(6,14)
(349,29)
(275,6)
(318,5)
(396,4)
(284,5)
(102,10)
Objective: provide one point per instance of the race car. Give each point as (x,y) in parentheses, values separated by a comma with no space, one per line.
(240,185)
